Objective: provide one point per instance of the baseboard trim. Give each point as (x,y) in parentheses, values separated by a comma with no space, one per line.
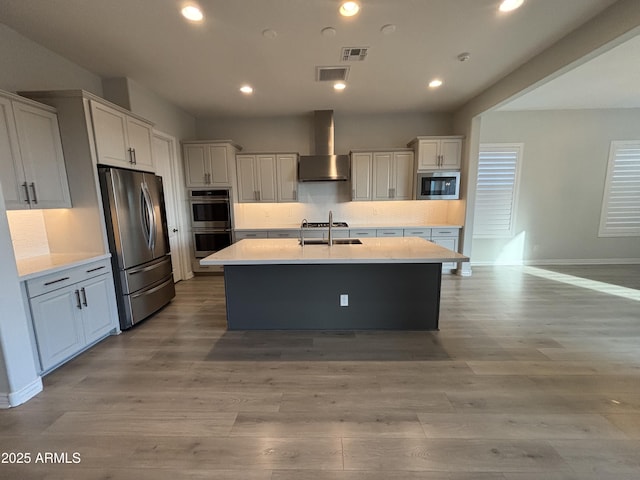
(563,261)
(13,399)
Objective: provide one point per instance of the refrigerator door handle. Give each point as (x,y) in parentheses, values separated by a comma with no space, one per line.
(154,222)
(147,215)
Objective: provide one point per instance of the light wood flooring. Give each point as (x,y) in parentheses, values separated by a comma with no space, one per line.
(529,378)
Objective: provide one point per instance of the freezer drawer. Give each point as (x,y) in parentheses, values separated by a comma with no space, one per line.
(145,302)
(142,276)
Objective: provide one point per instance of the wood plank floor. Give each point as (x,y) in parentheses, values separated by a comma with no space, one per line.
(528,378)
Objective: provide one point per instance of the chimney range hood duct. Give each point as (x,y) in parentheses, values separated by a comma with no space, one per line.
(324,165)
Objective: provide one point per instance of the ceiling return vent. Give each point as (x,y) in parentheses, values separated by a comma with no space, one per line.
(354,54)
(331,74)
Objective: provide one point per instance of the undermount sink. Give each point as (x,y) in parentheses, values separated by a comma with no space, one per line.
(336,241)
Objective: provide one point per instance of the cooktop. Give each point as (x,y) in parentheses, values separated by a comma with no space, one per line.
(326,224)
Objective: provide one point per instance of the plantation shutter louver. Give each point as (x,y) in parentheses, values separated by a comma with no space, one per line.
(498,168)
(620,215)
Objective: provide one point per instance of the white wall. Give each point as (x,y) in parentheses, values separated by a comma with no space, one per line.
(562,183)
(167,117)
(27,65)
(295,133)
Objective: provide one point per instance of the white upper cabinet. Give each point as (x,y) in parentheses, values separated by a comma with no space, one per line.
(208,164)
(287,173)
(438,153)
(257,178)
(121,140)
(267,177)
(361,175)
(393,174)
(32,168)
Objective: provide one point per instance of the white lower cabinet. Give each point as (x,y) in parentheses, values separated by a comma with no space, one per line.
(71,310)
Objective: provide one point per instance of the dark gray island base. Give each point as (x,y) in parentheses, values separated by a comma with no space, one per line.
(383,296)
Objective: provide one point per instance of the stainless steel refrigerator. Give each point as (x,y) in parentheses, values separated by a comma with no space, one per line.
(137,230)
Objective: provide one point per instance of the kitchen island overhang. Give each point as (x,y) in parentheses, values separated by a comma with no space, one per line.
(383,283)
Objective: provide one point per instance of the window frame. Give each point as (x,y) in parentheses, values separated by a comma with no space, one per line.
(603,230)
(497,147)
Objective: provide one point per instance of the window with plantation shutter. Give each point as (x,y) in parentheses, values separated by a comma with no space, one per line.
(496,190)
(620,215)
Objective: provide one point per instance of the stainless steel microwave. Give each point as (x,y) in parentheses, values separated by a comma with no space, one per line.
(438,186)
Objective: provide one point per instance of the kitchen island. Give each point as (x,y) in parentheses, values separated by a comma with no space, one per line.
(380,283)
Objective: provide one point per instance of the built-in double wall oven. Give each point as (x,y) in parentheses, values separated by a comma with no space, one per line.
(210,221)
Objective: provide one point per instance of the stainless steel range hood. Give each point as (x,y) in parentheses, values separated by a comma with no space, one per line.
(324,165)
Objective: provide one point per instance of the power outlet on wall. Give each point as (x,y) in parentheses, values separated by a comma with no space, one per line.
(344,299)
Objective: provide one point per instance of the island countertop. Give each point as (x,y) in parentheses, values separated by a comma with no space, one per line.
(372,250)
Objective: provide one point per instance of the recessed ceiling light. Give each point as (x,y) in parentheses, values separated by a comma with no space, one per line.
(193,13)
(349,9)
(339,86)
(435,83)
(246,89)
(510,5)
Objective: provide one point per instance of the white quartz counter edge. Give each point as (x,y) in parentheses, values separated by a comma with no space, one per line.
(350,227)
(33,267)
(372,250)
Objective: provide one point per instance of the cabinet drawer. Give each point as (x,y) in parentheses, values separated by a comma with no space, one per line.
(250,234)
(444,232)
(362,232)
(283,234)
(389,232)
(417,232)
(64,278)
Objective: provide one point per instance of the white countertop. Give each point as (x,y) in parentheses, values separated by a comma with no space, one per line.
(44,264)
(373,250)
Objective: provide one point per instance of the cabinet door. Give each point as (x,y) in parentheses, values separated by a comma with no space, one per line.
(11,170)
(98,307)
(110,131)
(451,151)
(266,176)
(140,136)
(41,149)
(196,165)
(403,175)
(219,166)
(287,172)
(247,184)
(428,151)
(361,176)
(382,175)
(57,325)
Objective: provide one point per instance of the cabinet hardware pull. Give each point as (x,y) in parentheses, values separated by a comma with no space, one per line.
(78,304)
(56,281)
(84,297)
(95,269)
(131,156)
(135,159)
(258,195)
(33,189)
(209,178)
(26,190)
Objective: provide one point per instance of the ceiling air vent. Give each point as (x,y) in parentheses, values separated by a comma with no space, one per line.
(354,54)
(331,74)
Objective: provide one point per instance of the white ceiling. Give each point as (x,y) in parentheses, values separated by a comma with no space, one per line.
(201,67)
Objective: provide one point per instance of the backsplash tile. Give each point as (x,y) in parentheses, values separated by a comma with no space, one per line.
(261,215)
(28,233)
